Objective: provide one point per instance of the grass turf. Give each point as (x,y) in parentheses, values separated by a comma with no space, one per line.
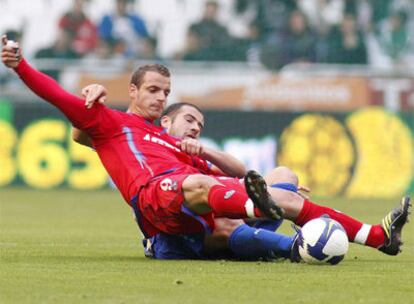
(83,247)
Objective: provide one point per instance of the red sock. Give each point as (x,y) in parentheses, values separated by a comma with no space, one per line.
(230,203)
(357,231)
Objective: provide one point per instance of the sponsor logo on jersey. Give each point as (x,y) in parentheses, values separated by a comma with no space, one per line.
(160,141)
(229,194)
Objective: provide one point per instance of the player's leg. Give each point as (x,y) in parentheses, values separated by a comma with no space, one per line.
(385,236)
(246,242)
(281,175)
(252,243)
(218,241)
(258,239)
(204,193)
(281,178)
(181,199)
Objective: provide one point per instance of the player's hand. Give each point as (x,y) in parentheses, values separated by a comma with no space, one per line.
(303,192)
(94,93)
(10,53)
(191,146)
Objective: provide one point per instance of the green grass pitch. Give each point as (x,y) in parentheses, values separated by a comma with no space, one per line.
(83,247)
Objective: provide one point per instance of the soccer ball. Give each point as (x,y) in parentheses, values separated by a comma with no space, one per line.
(322,241)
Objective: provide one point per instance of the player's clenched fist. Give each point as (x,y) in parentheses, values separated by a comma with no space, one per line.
(191,146)
(10,53)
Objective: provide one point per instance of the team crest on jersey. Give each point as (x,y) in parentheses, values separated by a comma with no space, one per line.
(229,194)
(174,186)
(166,184)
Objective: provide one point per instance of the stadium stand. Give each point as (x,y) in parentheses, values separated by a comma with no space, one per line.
(247,22)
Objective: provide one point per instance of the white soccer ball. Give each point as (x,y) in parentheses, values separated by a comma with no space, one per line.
(323,241)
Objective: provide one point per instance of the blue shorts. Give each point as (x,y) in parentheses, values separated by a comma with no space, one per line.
(175,247)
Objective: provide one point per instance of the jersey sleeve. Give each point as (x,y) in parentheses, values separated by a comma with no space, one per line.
(72,106)
(203,165)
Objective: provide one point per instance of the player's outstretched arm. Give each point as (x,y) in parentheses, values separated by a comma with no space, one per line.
(47,88)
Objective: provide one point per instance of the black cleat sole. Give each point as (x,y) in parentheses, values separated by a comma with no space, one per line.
(256,189)
(392,225)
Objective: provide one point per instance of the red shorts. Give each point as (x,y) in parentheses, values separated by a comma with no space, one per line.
(162,210)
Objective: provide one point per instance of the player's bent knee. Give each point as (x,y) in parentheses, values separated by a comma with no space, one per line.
(281,175)
(196,188)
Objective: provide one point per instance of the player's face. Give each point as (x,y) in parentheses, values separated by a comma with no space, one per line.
(150,98)
(188,122)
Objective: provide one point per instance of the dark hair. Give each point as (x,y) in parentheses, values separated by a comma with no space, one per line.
(173,109)
(139,73)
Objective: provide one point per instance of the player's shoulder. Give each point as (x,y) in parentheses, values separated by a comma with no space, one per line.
(114,113)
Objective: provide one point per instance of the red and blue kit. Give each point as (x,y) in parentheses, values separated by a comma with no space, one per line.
(144,162)
(149,169)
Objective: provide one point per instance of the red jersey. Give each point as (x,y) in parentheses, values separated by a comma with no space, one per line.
(132,149)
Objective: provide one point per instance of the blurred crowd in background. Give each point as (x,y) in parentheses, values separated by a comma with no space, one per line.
(279,32)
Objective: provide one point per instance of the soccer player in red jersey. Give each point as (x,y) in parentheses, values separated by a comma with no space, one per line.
(357,232)
(156,174)
(167,188)
(231,238)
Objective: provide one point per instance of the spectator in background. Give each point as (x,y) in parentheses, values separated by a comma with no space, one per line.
(351,7)
(128,26)
(61,49)
(298,40)
(82,30)
(380,10)
(393,36)
(345,43)
(266,29)
(296,43)
(322,14)
(272,16)
(209,40)
(108,55)
(110,49)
